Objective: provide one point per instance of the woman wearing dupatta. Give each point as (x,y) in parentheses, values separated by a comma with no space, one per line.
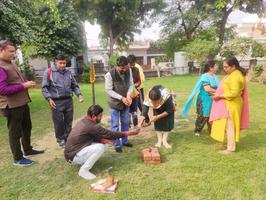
(230,111)
(206,86)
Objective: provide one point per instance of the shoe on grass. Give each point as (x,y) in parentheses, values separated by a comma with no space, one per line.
(118,150)
(86,174)
(197,134)
(61,143)
(34,152)
(128,145)
(23,162)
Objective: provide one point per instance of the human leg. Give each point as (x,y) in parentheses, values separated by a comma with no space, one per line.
(87,158)
(115,125)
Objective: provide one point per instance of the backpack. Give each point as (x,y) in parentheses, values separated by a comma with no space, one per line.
(50,71)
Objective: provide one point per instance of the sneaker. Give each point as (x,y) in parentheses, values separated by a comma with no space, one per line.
(23,162)
(61,143)
(86,174)
(197,134)
(34,152)
(118,150)
(128,145)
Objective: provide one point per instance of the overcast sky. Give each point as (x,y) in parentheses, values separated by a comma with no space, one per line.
(153,32)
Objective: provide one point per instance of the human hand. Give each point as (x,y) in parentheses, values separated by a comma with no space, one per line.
(216,96)
(52,104)
(124,100)
(134,131)
(81,98)
(154,118)
(129,100)
(28,84)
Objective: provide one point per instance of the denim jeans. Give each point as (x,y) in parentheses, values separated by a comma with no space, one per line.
(124,120)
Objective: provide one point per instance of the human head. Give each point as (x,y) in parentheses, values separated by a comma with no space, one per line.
(122,64)
(60,61)
(210,66)
(230,64)
(155,95)
(95,113)
(131,60)
(7,50)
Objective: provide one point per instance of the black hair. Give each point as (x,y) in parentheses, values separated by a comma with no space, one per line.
(121,61)
(60,57)
(155,92)
(208,65)
(232,61)
(5,43)
(131,58)
(94,110)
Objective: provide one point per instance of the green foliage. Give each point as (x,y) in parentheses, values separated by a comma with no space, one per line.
(258,69)
(15,20)
(201,50)
(258,50)
(85,77)
(53,37)
(118,19)
(238,46)
(45,28)
(112,60)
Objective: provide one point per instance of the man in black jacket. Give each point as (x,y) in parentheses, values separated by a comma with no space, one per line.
(87,141)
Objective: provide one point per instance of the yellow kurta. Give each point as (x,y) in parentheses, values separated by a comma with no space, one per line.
(233,86)
(142,76)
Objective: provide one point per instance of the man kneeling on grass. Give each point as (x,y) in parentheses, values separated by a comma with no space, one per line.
(87,141)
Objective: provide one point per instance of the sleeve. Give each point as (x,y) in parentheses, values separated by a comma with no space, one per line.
(235,87)
(145,111)
(131,84)
(138,79)
(74,86)
(45,85)
(8,89)
(109,87)
(107,134)
(169,105)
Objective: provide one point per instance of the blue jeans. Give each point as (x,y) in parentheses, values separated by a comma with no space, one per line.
(124,120)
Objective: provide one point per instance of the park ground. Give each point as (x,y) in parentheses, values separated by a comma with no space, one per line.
(192,169)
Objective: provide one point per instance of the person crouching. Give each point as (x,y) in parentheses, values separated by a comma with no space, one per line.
(87,141)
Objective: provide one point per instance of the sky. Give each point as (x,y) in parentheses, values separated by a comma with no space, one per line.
(153,33)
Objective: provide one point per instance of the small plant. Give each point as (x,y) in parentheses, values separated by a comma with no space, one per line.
(258,69)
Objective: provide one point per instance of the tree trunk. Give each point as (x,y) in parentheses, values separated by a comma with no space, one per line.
(111,41)
(226,13)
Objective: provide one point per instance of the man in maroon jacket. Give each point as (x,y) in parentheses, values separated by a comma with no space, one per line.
(86,142)
(14,99)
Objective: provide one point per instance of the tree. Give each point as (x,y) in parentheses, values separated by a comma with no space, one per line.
(201,50)
(118,19)
(15,20)
(54,34)
(238,46)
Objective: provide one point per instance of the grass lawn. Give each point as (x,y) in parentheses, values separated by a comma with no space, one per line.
(192,169)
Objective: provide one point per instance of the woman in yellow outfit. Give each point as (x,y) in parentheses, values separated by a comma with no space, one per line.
(233,86)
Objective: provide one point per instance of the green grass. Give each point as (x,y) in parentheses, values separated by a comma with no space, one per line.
(192,169)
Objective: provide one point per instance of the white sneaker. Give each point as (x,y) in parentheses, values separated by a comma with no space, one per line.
(197,134)
(86,174)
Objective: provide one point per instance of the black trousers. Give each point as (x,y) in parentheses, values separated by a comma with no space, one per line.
(19,127)
(62,118)
(141,99)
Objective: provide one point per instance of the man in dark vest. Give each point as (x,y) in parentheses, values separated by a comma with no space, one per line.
(14,99)
(119,86)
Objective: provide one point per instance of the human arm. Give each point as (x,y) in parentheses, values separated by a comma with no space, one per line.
(75,87)
(8,89)
(168,110)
